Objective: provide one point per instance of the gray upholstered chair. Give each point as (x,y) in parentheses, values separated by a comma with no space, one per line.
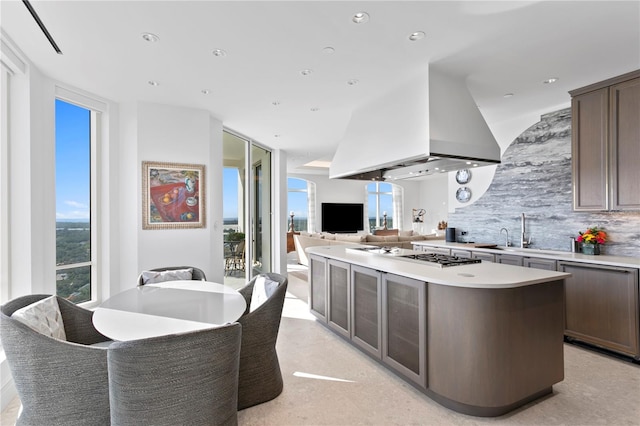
(180,379)
(58,382)
(197,274)
(260,377)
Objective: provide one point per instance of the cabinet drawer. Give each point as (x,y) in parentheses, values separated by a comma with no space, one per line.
(601,306)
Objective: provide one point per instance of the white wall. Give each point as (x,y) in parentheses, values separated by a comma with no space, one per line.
(168,134)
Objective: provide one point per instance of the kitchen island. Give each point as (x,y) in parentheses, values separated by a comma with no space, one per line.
(481,339)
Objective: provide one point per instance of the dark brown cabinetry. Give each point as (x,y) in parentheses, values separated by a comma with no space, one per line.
(509,259)
(601,306)
(366,305)
(464,254)
(538,263)
(485,257)
(605,132)
(404,327)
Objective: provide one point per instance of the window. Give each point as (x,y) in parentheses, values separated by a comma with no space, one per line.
(74,138)
(382,199)
(298,203)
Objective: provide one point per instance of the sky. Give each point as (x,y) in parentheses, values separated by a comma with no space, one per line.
(72,162)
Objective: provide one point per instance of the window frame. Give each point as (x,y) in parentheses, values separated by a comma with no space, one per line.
(98,110)
(377,193)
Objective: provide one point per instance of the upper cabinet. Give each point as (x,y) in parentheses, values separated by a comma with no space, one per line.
(606,144)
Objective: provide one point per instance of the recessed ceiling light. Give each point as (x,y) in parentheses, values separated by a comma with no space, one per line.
(475,165)
(306,72)
(507,95)
(352,82)
(153,83)
(205,91)
(360,18)
(314,109)
(275,103)
(150,37)
(418,35)
(219,52)
(550,80)
(276,135)
(328,50)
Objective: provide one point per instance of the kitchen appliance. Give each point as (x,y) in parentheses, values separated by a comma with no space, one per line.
(450,235)
(441,260)
(428,125)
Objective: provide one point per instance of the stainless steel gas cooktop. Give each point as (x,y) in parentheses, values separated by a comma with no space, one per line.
(442,260)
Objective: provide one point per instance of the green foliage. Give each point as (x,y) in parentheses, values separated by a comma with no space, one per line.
(73,245)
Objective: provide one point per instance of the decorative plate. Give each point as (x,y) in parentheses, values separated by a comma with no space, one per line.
(463,176)
(463,194)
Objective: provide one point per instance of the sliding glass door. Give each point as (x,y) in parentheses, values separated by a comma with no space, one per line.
(246,204)
(262,217)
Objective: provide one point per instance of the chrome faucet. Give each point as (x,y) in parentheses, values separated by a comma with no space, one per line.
(506,242)
(523,236)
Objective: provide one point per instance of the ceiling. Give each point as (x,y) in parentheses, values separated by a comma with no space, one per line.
(259,88)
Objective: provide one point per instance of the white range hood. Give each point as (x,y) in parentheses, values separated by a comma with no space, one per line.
(428,125)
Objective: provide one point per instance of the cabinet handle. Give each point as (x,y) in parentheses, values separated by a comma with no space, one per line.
(603,267)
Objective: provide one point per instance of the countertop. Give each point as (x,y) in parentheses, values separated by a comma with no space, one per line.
(603,259)
(486,275)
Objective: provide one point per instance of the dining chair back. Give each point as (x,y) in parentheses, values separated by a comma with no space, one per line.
(180,379)
(260,377)
(196,273)
(58,381)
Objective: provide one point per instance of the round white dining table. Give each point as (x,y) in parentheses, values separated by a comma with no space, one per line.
(167,308)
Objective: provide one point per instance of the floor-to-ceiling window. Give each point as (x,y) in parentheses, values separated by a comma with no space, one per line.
(380,205)
(76,130)
(298,203)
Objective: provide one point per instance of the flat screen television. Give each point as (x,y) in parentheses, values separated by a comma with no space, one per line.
(342,217)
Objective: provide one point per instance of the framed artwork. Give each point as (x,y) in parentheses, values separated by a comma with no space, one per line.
(173,196)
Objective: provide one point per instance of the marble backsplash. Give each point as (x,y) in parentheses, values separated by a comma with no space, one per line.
(534,178)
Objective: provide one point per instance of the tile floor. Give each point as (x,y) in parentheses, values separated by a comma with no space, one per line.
(328,382)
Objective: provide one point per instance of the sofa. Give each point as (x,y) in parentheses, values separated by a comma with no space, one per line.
(403,239)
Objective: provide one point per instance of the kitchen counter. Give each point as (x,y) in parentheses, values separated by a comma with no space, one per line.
(478,275)
(482,339)
(603,259)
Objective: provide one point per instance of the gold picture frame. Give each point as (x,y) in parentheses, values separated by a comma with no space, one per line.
(173,195)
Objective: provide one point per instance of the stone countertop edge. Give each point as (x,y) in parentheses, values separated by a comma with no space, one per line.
(602,259)
(484,275)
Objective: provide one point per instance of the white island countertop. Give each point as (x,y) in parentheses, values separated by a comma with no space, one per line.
(485,275)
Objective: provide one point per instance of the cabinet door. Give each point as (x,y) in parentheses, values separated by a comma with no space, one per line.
(601,306)
(485,257)
(589,150)
(366,301)
(404,327)
(436,250)
(465,254)
(624,127)
(339,297)
(509,259)
(532,262)
(318,290)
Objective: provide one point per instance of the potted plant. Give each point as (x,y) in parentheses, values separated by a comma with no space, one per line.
(591,240)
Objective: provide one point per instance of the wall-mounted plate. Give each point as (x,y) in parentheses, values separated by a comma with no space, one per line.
(463,176)
(463,194)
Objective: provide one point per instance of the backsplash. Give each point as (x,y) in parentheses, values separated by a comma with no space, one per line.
(534,178)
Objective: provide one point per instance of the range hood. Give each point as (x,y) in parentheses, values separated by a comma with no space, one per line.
(427,125)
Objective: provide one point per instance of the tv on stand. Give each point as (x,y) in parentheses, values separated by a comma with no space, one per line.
(342,217)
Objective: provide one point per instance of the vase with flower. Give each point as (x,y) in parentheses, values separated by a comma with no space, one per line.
(591,239)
